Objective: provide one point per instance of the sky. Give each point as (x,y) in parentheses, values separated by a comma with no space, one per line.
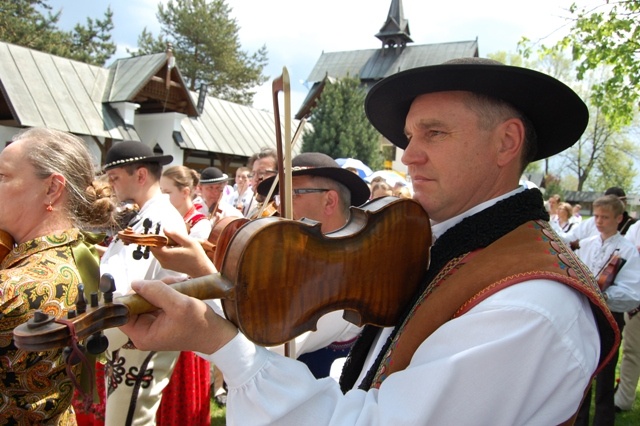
(296,32)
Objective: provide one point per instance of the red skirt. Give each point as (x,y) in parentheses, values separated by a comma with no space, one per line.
(185,400)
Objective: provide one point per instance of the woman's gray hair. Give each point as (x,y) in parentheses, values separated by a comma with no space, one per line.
(52,151)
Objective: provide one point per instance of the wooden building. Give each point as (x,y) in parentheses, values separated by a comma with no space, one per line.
(140,98)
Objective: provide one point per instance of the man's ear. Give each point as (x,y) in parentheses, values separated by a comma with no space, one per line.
(141,174)
(511,141)
(332,201)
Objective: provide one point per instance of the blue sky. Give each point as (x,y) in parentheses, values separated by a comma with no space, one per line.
(296,32)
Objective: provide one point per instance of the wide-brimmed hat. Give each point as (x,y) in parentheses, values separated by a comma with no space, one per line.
(558,114)
(318,164)
(129,152)
(213,175)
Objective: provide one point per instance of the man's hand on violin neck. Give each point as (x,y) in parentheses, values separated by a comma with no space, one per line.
(182,323)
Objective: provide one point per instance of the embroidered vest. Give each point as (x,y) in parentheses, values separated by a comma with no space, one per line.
(531,251)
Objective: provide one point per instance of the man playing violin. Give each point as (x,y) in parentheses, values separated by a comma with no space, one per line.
(323,192)
(212,184)
(263,164)
(135,379)
(622,293)
(520,337)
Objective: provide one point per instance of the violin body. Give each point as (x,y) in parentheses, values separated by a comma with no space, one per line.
(279,276)
(609,272)
(220,236)
(287,274)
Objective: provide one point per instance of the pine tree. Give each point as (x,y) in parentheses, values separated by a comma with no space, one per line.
(340,126)
(207,48)
(31,23)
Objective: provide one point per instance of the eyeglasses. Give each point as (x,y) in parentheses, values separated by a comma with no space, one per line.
(301,191)
(262,175)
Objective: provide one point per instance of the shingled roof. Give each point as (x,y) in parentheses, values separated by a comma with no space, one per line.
(42,90)
(376,64)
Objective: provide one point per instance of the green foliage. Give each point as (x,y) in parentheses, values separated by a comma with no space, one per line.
(608,36)
(207,48)
(615,167)
(340,126)
(602,157)
(31,24)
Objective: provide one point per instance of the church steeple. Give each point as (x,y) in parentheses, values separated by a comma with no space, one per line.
(395,31)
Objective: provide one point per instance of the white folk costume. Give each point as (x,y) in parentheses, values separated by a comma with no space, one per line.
(625,394)
(535,343)
(135,379)
(624,295)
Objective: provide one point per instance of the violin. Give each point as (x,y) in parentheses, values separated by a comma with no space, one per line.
(128,236)
(269,210)
(608,273)
(279,276)
(220,236)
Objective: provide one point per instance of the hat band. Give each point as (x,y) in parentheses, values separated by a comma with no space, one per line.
(127,160)
(224,178)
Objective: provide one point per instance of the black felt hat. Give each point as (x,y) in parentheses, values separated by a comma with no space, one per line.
(129,152)
(617,191)
(556,111)
(213,175)
(318,164)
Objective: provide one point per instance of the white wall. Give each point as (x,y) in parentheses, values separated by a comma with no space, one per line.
(158,129)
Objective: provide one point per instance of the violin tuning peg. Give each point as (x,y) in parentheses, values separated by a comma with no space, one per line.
(97,343)
(71,357)
(137,254)
(39,319)
(147,224)
(107,287)
(81,301)
(94,300)
(158,228)
(146,253)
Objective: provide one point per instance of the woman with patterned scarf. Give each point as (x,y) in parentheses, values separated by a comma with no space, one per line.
(49,195)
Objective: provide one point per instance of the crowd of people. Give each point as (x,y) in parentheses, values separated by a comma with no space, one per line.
(610,235)
(520,310)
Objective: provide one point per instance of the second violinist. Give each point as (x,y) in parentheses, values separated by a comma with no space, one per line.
(263,164)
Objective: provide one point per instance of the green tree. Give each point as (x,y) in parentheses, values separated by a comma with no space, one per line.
(340,126)
(207,48)
(615,168)
(602,153)
(608,35)
(31,23)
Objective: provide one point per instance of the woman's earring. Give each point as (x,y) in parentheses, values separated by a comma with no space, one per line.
(49,207)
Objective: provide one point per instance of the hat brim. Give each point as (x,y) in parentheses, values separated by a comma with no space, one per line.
(359,189)
(557,112)
(163,160)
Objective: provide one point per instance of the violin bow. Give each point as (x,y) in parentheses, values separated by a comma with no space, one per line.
(282,84)
(296,137)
